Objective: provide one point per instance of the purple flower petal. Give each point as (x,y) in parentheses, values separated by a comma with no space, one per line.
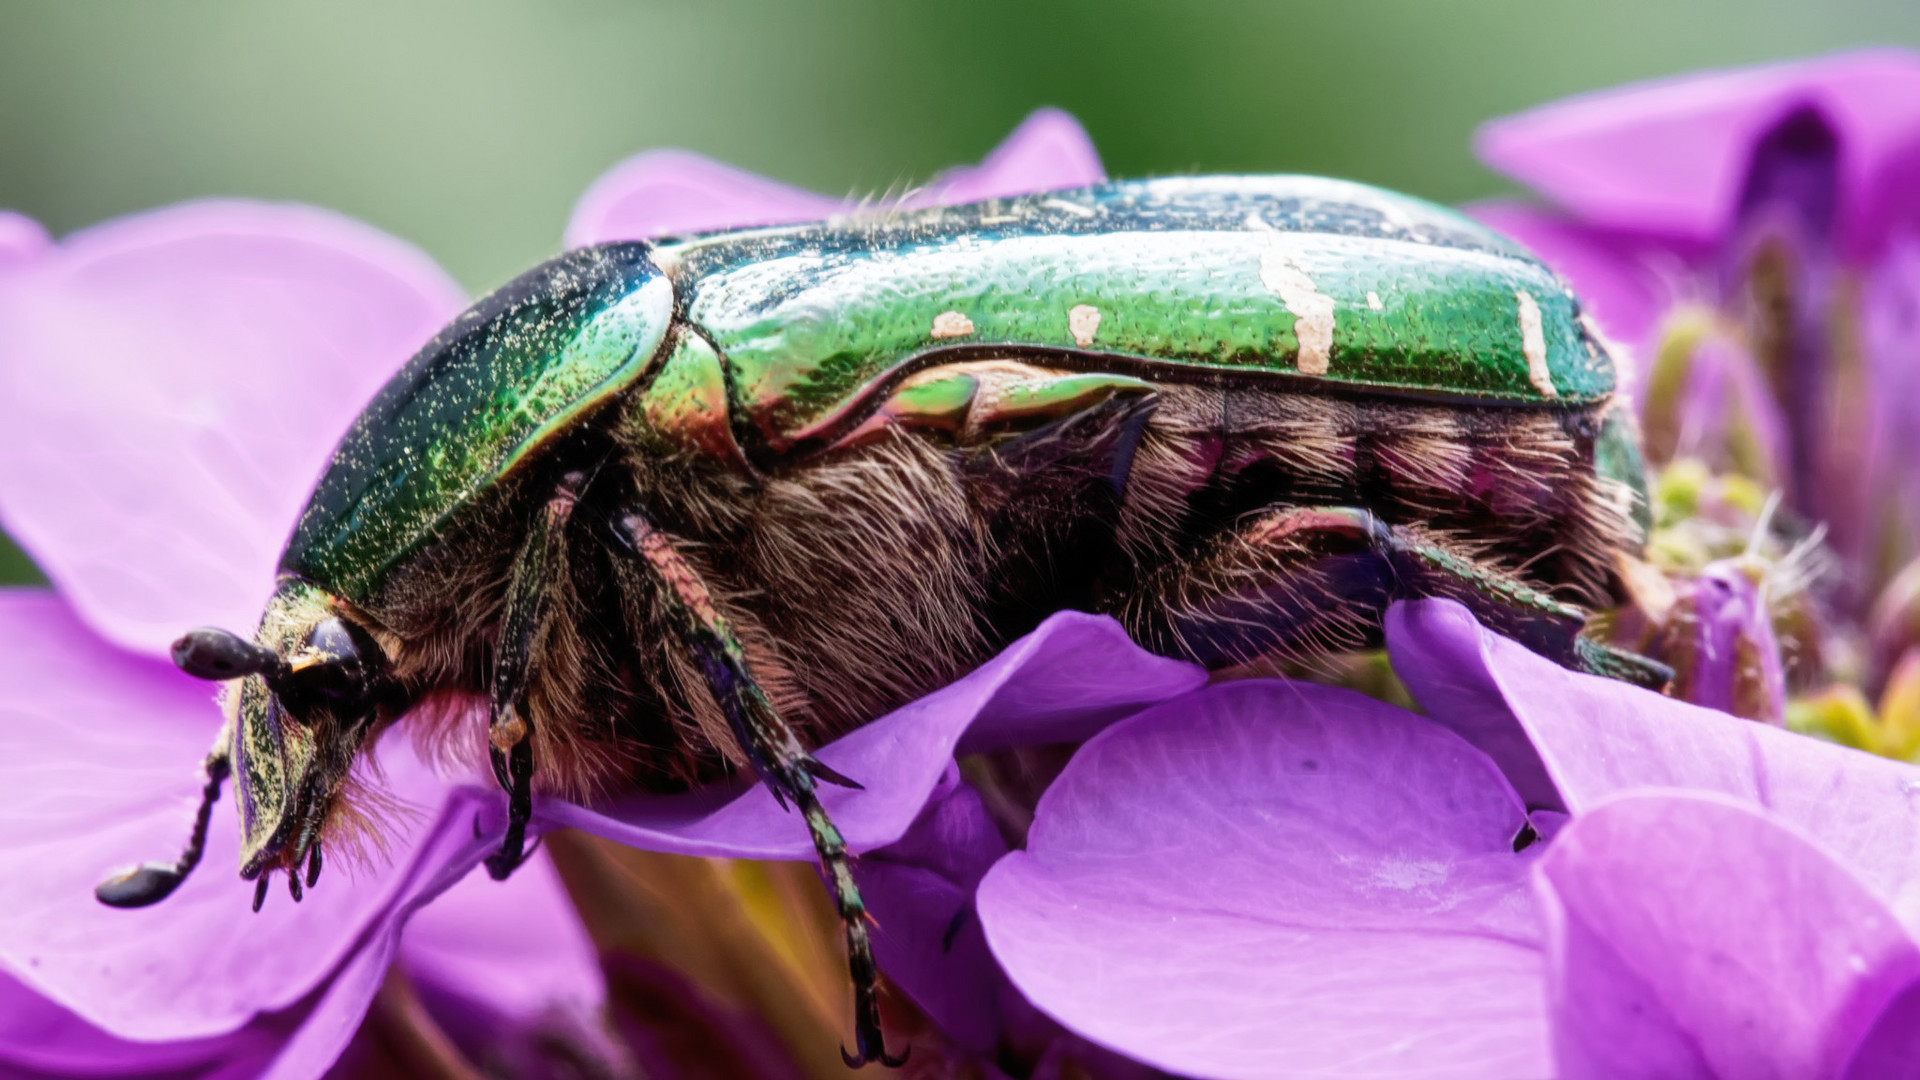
(1066,680)
(1728,415)
(1891,1047)
(515,984)
(1611,272)
(507,971)
(99,769)
(666,192)
(1597,737)
(39,1038)
(927,936)
(171,384)
(1047,152)
(1442,665)
(1672,156)
(1693,935)
(514,948)
(467,829)
(22,240)
(1270,879)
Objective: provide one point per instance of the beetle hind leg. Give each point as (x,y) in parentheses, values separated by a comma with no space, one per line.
(789,770)
(1308,580)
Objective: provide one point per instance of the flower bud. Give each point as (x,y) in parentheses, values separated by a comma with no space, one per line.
(1719,639)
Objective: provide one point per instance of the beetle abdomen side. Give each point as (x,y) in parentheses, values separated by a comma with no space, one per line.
(1518,485)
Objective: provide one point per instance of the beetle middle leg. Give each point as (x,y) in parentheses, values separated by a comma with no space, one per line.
(537,573)
(789,770)
(1304,580)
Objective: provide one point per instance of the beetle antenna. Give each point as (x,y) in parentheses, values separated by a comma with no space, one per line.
(154,882)
(215,654)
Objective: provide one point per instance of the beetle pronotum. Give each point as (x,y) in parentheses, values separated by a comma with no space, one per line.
(671,509)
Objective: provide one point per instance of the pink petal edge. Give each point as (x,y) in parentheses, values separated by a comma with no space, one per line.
(1596,737)
(1671,155)
(1049,151)
(173,382)
(1683,925)
(22,241)
(672,192)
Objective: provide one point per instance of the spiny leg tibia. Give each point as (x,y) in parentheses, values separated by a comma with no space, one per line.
(537,572)
(1304,580)
(789,770)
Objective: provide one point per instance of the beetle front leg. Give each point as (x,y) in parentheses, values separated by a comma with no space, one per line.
(537,573)
(1301,580)
(790,771)
(154,882)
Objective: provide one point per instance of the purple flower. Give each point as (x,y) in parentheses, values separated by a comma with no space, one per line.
(170,383)
(1751,234)
(1719,638)
(1555,875)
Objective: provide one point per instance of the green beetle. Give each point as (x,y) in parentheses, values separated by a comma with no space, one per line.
(676,508)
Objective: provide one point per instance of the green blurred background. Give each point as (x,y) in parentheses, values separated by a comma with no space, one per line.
(470,127)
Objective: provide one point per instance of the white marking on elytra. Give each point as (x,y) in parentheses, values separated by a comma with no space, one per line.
(1083,320)
(951,324)
(1312,309)
(1069,207)
(1533,343)
(1373,301)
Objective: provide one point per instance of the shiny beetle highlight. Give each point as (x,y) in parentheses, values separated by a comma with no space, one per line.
(672,509)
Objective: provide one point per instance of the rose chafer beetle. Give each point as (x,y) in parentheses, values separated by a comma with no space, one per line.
(672,509)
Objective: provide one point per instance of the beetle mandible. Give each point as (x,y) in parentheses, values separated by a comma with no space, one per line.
(676,508)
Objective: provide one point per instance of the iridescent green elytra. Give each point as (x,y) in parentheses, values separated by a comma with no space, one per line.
(505,378)
(1189,276)
(647,491)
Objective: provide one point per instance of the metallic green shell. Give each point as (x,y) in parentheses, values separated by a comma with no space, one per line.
(513,371)
(1315,283)
(1305,279)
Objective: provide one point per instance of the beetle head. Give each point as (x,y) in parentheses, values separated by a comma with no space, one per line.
(300,704)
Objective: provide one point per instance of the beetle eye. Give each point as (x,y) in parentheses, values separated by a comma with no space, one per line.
(329,673)
(331,643)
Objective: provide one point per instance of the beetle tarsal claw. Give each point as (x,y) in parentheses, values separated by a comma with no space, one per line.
(881,1057)
(141,886)
(820,771)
